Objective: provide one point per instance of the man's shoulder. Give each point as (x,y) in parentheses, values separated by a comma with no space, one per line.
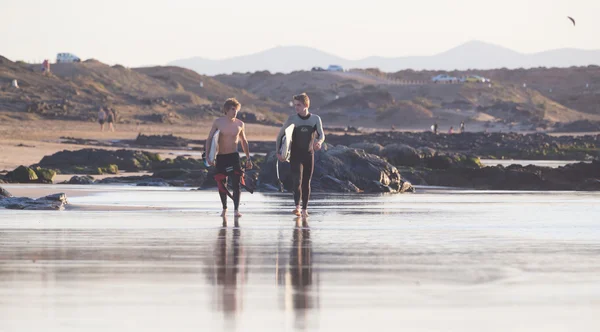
(239,122)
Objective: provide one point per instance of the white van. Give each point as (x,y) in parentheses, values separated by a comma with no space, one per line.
(335,68)
(66,57)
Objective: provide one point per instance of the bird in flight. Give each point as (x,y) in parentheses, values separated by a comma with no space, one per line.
(572,20)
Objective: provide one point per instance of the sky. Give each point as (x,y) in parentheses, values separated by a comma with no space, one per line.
(155,32)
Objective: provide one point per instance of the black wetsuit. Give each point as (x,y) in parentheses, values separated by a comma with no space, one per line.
(302,158)
(228,165)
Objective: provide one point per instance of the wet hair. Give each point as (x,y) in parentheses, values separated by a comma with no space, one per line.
(303,98)
(229,103)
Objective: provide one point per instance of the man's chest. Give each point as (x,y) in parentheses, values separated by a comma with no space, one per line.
(230,129)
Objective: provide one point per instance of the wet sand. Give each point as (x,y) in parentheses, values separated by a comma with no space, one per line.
(155,259)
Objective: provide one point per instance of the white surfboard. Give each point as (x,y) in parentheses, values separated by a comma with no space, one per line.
(285,150)
(286,142)
(211,151)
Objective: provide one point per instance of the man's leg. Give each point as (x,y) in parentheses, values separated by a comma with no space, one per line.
(223,196)
(235,184)
(307,172)
(221,180)
(296,170)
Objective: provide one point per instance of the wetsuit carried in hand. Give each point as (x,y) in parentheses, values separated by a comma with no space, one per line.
(302,159)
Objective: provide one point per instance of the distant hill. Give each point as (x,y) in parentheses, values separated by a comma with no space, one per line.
(471,55)
(519,99)
(76,91)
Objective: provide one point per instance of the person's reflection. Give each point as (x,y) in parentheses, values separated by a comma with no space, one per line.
(230,269)
(301,297)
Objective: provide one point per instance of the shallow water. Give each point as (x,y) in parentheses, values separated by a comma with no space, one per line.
(155,259)
(543,163)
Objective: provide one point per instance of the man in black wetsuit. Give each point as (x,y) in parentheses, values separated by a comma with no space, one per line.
(302,159)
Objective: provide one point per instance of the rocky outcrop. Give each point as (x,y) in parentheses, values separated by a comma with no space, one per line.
(579,176)
(50,202)
(98,161)
(486,145)
(340,169)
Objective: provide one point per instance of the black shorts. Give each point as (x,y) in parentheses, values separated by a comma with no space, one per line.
(228,163)
(101,121)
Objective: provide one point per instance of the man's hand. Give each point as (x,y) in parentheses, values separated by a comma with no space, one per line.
(317,146)
(248,163)
(280,157)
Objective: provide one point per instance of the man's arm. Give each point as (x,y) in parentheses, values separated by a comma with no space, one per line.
(245,146)
(321,134)
(320,131)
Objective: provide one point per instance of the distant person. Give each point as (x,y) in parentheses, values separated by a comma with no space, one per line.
(435,128)
(304,143)
(110,118)
(101,118)
(393,127)
(451,130)
(46,67)
(462,127)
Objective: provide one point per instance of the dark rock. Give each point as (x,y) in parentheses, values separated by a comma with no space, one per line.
(22,174)
(578,126)
(171,173)
(45,175)
(50,202)
(486,145)
(180,163)
(81,180)
(161,141)
(88,161)
(401,154)
(590,185)
(372,148)
(337,185)
(579,176)
(339,169)
(128,180)
(4,193)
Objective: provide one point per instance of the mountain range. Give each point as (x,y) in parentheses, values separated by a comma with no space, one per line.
(471,55)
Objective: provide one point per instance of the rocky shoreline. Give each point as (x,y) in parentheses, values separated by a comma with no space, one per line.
(377,162)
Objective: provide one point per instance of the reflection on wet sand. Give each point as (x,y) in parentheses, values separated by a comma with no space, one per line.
(229,270)
(297,280)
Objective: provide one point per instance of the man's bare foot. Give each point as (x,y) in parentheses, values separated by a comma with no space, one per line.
(224,213)
(237,214)
(304,213)
(296,211)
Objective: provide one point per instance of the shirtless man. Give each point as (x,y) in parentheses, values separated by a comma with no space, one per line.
(231,131)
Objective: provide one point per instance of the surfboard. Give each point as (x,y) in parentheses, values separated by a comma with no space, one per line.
(286,142)
(211,151)
(285,150)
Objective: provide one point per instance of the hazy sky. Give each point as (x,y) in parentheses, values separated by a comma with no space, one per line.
(144,32)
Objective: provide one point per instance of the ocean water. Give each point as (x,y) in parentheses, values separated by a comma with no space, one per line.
(154,259)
